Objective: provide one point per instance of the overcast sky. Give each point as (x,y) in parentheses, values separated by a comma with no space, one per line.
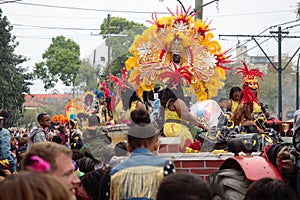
(35,25)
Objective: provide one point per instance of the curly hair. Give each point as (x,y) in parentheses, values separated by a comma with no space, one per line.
(242,112)
(96,184)
(85,164)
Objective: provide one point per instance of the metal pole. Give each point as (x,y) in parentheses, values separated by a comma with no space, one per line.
(279,75)
(297,84)
(108,43)
(199,4)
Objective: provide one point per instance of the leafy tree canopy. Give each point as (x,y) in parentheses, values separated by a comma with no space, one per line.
(120,44)
(14,79)
(87,76)
(61,62)
(298,10)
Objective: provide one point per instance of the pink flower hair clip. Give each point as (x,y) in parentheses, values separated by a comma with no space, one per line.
(39,164)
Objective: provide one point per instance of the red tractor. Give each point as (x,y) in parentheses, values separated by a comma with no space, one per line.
(235,174)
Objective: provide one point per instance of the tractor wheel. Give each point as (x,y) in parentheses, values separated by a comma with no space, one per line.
(228,184)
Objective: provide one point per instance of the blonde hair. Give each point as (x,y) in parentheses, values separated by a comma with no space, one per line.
(47,151)
(31,186)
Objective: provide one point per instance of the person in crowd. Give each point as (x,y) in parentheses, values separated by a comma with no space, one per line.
(4,169)
(267,188)
(131,101)
(76,141)
(77,171)
(95,140)
(54,159)
(5,142)
(121,149)
(85,164)
(222,102)
(242,116)
(93,128)
(57,139)
(141,168)
(39,133)
(13,144)
(77,154)
(121,154)
(22,146)
(251,85)
(184,186)
(32,185)
(234,99)
(177,117)
(97,184)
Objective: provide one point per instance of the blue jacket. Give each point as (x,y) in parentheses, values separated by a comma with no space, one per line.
(5,152)
(140,157)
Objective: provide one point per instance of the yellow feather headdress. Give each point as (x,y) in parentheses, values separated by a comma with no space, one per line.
(201,61)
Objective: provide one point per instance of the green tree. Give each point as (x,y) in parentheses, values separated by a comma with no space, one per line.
(298,10)
(87,76)
(120,45)
(14,79)
(61,62)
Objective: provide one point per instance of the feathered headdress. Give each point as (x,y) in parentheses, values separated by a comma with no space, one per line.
(201,58)
(249,76)
(250,83)
(121,82)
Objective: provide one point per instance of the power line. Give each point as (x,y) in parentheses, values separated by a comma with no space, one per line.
(271,27)
(12,1)
(138,12)
(248,50)
(90,9)
(68,28)
(62,28)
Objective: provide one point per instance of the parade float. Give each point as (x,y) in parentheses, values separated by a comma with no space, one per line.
(201,71)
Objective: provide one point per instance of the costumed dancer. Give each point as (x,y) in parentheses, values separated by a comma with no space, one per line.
(177,49)
(104,96)
(250,83)
(128,99)
(242,115)
(234,99)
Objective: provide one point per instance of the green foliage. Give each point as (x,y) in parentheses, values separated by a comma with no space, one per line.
(87,76)
(298,10)
(61,62)
(14,79)
(30,115)
(120,45)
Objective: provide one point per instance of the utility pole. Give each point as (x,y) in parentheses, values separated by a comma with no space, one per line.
(279,68)
(199,4)
(297,84)
(198,8)
(108,44)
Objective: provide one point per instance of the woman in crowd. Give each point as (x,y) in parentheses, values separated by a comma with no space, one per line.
(234,99)
(177,117)
(32,186)
(184,186)
(96,184)
(139,176)
(267,188)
